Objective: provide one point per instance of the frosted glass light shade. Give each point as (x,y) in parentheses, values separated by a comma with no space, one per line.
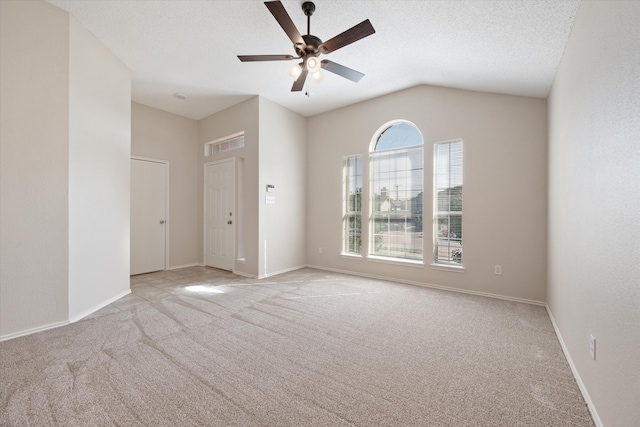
(295,71)
(313,64)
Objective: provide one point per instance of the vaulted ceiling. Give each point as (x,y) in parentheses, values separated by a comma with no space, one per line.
(191,47)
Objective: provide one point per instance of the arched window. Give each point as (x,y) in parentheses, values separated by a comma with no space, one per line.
(396,158)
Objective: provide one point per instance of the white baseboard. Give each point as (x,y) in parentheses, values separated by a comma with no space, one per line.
(177,267)
(271,274)
(430,285)
(99,306)
(574,370)
(33,330)
(65,322)
(286,270)
(243,274)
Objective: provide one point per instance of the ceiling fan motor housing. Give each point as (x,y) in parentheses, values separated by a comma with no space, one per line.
(312,45)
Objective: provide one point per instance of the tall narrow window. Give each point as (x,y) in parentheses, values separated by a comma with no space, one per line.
(397,186)
(352,205)
(447,202)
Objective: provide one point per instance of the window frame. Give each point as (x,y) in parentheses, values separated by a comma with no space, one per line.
(449,263)
(348,214)
(408,240)
(224,145)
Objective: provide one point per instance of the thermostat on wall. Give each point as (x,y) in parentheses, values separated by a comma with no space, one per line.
(271,188)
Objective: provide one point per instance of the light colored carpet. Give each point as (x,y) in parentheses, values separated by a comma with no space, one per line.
(199,346)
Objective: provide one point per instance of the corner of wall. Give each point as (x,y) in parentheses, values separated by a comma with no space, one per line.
(34,135)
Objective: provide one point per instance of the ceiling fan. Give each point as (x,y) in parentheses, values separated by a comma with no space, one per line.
(309,47)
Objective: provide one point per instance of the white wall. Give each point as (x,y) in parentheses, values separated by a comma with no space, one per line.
(34,155)
(505,189)
(274,153)
(65,141)
(99,152)
(283,157)
(162,135)
(594,205)
(240,117)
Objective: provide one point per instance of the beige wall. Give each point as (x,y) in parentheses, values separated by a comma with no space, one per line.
(34,170)
(161,135)
(505,194)
(99,150)
(274,153)
(283,159)
(241,117)
(594,205)
(65,169)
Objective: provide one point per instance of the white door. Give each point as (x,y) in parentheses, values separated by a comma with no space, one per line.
(148,216)
(219,214)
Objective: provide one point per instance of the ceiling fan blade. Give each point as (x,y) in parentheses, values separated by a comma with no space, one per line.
(280,13)
(250,58)
(342,71)
(299,83)
(353,34)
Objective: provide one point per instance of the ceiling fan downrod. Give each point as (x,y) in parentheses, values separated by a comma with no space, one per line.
(308,8)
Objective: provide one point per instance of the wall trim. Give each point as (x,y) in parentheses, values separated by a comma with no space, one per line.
(574,370)
(33,330)
(177,267)
(286,270)
(430,285)
(99,306)
(243,274)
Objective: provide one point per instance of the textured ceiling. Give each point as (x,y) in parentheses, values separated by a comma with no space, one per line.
(190,46)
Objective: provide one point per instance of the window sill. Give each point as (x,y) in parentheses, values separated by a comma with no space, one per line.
(396,261)
(446,267)
(350,256)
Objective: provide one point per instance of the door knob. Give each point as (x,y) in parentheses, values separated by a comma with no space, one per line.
(162,221)
(229,222)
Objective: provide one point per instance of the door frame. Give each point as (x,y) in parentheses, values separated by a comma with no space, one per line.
(167,222)
(235,208)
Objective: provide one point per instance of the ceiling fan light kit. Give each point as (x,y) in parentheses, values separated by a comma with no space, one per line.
(295,71)
(309,47)
(313,64)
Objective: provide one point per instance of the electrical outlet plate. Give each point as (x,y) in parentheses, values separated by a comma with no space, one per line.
(592,347)
(320,249)
(498,269)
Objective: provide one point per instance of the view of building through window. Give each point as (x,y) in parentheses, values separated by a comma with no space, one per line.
(397,193)
(352,210)
(447,204)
